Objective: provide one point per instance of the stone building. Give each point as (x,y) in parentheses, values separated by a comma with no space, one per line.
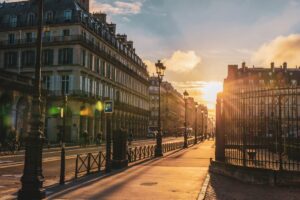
(260,77)
(83,58)
(15,103)
(172,107)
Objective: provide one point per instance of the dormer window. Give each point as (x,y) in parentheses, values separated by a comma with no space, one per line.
(31,19)
(13,21)
(68,15)
(49,16)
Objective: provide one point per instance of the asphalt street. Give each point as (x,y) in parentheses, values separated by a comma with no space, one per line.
(11,166)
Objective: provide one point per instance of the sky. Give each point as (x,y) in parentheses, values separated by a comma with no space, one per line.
(197,39)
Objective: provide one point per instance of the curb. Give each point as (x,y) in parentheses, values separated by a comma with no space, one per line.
(204,188)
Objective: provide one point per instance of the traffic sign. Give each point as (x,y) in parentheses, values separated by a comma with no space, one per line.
(108,106)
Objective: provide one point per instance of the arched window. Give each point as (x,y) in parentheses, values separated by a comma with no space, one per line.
(31,19)
(13,21)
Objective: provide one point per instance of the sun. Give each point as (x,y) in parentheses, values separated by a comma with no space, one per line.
(209,93)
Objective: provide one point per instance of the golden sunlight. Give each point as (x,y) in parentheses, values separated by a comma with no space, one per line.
(209,93)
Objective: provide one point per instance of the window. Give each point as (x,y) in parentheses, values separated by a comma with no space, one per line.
(48,57)
(30,19)
(102,67)
(13,21)
(11,38)
(66,32)
(65,56)
(29,37)
(47,36)
(90,61)
(46,82)
(10,59)
(49,16)
(83,54)
(65,84)
(28,58)
(97,65)
(107,71)
(68,15)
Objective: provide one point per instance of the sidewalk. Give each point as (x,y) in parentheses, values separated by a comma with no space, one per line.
(178,175)
(225,188)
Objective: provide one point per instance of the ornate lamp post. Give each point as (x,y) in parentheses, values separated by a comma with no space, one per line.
(196,123)
(185,95)
(63,135)
(202,123)
(160,69)
(32,179)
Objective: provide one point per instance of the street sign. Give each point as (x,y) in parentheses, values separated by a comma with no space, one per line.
(108,106)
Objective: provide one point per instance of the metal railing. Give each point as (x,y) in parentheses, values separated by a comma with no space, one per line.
(95,162)
(261,128)
(89,163)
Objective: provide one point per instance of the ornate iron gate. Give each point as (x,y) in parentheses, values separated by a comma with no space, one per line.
(261,128)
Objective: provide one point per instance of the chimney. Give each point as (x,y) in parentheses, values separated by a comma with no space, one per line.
(243,65)
(85,4)
(284,65)
(100,16)
(122,38)
(112,28)
(130,44)
(232,71)
(272,65)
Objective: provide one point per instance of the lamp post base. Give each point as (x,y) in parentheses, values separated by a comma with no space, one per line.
(158,152)
(185,145)
(28,193)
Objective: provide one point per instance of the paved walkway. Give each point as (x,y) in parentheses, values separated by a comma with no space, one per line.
(225,188)
(178,175)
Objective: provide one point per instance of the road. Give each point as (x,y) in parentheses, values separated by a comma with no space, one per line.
(11,166)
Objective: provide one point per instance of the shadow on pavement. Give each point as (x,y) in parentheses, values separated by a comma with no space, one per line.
(226,188)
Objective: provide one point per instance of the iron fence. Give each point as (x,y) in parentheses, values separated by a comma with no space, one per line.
(88,163)
(95,162)
(261,128)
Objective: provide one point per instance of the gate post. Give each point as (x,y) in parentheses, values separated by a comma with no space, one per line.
(280,149)
(220,117)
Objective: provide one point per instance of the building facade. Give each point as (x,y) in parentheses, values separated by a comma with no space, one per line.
(172,107)
(83,58)
(15,103)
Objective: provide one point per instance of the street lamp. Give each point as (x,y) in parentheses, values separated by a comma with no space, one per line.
(196,123)
(160,69)
(202,124)
(185,95)
(32,179)
(63,135)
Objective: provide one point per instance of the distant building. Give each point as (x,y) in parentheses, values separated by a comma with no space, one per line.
(260,77)
(83,58)
(172,107)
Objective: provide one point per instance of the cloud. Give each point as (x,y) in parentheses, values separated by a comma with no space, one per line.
(281,49)
(117,7)
(151,67)
(182,61)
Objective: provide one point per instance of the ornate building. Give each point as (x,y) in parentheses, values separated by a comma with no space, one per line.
(172,107)
(83,58)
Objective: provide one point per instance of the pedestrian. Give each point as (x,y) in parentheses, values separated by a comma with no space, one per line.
(130,138)
(85,137)
(98,138)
